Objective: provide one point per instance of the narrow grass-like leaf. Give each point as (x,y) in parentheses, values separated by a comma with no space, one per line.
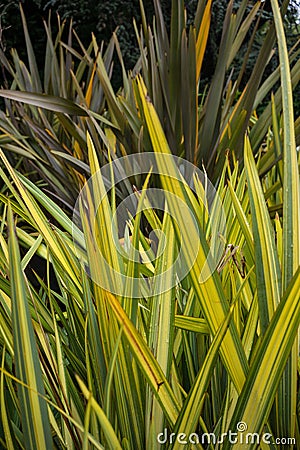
(103,236)
(111,438)
(35,420)
(162,321)
(191,324)
(291,218)
(209,292)
(36,82)
(243,222)
(267,264)
(9,436)
(256,399)
(40,220)
(190,413)
(202,37)
(291,190)
(50,102)
(147,363)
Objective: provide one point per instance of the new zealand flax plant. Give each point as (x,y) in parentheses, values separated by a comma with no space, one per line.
(130,351)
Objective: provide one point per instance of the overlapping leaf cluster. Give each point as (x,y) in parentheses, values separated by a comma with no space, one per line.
(84,368)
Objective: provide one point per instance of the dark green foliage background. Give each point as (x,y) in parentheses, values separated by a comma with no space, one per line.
(104,17)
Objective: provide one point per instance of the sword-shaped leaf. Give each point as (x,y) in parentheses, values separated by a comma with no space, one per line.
(291,219)
(208,290)
(35,420)
(256,399)
(50,102)
(268,273)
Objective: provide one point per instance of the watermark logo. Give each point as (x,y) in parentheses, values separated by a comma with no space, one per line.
(241,426)
(185,193)
(239,436)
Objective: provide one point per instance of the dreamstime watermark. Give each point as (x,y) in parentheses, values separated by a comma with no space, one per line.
(239,436)
(125,176)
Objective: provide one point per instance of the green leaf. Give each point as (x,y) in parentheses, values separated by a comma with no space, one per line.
(209,291)
(268,273)
(40,220)
(50,102)
(110,436)
(35,78)
(161,327)
(191,324)
(255,402)
(291,218)
(35,420)
(147,363)
(190,413)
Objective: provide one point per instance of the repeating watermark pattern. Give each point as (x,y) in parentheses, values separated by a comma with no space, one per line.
(239,436)
(125,176)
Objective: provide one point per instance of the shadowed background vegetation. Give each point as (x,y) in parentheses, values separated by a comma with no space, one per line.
(103,18)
